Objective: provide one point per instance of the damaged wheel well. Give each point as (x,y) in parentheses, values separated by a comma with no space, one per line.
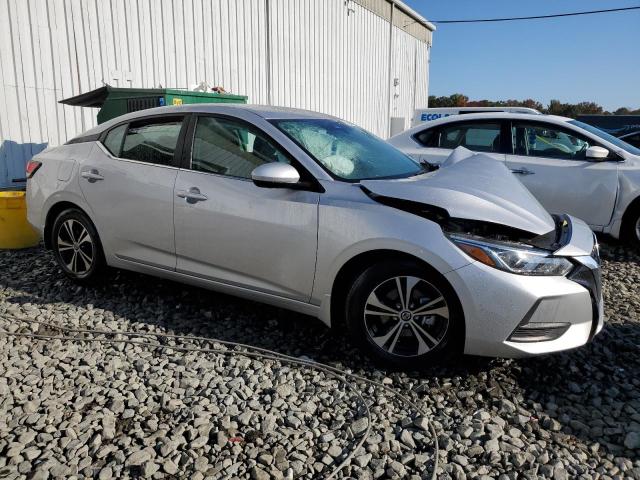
(353,268)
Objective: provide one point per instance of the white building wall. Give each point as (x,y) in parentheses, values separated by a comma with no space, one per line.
(331,56)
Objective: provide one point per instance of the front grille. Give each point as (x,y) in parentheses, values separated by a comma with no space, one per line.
(589,279)
(538,332)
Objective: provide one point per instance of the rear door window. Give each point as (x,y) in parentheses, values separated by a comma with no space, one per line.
(113,140)
(479,137)
(152,140)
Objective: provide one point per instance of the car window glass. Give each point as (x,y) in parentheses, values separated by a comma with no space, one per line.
(633,140)
(618,142)
(113,140)
(476,137)
(231,148)
(348,152)
(548,141)
(152,141)
(428,138)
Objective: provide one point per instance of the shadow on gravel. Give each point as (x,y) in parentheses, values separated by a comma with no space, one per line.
(592,393)
(186,310)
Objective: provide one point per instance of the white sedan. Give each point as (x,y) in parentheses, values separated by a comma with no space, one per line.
(568,165)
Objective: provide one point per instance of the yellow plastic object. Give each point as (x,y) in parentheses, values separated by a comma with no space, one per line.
(15,231)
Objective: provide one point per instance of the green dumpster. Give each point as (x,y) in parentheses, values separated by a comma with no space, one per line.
(113,101)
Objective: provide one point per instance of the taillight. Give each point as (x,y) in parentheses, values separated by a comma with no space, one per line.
(32,167)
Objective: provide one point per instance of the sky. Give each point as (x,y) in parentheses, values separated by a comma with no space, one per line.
(583,58)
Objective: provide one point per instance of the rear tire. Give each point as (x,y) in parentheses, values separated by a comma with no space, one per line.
(76,247)
(631,226)
(405,315)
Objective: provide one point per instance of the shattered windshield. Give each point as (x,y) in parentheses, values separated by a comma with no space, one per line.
(348,152)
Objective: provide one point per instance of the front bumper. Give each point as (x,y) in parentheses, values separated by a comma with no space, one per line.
(508,315)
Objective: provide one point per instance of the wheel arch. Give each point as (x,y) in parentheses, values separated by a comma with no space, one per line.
(350,270)
(53,212)
(632,209)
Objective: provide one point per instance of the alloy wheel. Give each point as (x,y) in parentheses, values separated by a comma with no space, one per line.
(638,229)
(75,247)
(406,316)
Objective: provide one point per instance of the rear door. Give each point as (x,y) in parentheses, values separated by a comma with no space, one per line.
(228,229)
(551,162)
(128,183)
(486,136)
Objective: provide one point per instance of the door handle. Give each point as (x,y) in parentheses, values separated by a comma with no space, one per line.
(522,171)
(92,175)
(193,195)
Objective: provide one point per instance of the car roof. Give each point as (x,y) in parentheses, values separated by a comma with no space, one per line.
(508,108)
(485,116)
(265,111)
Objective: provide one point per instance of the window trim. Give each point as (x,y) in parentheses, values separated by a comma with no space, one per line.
(177,154)
(613,156)
(504,142)
(307,181)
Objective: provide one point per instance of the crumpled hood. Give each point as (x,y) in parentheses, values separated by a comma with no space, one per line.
(472,187)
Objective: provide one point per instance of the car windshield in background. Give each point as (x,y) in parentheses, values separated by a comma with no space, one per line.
(609,138)
(348,152)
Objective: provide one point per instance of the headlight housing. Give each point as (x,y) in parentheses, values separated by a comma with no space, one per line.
(519,259)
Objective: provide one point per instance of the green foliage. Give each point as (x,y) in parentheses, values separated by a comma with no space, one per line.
(555,107)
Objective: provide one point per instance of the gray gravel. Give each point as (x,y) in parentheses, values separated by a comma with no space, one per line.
(114,410)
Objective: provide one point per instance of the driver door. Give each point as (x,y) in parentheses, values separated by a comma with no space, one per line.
(551,162)
(229,230)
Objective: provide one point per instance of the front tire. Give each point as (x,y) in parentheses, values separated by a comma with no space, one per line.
(404,315)
(631,226)
(76,246)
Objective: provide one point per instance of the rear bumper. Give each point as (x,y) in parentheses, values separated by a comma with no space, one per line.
(508,315)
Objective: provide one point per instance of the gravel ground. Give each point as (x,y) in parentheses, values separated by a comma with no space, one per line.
(89,409)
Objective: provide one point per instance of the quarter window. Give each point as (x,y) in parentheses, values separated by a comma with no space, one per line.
(113,140)
(428,138)
(152,140)
(226,147)
(540,140)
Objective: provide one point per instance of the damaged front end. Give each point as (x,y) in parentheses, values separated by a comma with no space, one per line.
(500,246)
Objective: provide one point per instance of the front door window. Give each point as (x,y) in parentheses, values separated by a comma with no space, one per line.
(539,140)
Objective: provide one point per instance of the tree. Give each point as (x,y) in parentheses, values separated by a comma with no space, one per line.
(555,107)
(455,100)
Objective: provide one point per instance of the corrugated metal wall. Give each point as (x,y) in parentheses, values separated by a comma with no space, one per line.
(330,56)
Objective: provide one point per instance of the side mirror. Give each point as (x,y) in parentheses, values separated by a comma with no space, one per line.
(274,175)
(597,153)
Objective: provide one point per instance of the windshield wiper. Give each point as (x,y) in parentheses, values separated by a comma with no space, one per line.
(429,167)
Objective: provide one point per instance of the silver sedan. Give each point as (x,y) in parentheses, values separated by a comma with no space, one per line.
(309,213)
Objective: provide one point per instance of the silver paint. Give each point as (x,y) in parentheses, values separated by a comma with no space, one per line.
(286,247)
